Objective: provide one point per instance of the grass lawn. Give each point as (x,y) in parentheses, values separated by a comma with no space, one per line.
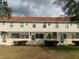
(39,52)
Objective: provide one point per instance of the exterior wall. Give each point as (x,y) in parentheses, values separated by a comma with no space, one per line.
(8,41)
(29,41)
(69,41)
(28,27)
(39,27)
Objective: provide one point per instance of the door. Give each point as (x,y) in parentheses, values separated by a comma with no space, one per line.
(4,36)
(33,37)
(63,37)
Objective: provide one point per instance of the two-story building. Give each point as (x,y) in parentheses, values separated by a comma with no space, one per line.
(34,30)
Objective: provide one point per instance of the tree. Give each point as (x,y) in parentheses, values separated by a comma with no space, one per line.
(5,10)
(70,8)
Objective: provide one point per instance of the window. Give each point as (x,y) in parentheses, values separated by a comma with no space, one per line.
(24,35)
(70,24)
(0,2)
(33,37)
(56,25)
(11,24)
(67,25)
(39,36)
(44,25)
(34,25)
(4,38)
(49,36)
(15,35)
(52,35)
(77,25)
(20,35)
(26,23)
(49,24)
(64,36)
(77,35)
(3,23)
(22,25)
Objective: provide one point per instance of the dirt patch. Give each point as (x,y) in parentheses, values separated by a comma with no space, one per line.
(38,52)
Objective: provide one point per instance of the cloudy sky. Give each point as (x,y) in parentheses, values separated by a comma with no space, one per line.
(34,8)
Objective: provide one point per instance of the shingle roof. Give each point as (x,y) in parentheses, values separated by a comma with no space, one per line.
(36,18)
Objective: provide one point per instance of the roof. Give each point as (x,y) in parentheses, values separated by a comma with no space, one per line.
(35,18)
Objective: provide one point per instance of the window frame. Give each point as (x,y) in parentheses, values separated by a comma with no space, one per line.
(56,25)
(44,25)
(67,25)
(77,25)
(40,36)
(34,25)
(22,25)
(11,25)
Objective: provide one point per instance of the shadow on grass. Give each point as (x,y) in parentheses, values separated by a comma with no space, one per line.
(60,48)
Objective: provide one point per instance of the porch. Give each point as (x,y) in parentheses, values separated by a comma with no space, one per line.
(29,38)
(38,38)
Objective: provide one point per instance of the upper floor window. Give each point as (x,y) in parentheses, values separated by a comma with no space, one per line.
(56,25)
(22,25)
(3,23)
(44,25)
(26,23)
(49,24)
(67,25)
(77,25)
(34,25)
(11,24)
(71,24)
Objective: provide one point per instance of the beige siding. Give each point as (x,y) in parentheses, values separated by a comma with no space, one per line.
(39,27)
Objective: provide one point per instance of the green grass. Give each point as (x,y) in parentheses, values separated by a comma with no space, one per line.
(62,48)
(39,52)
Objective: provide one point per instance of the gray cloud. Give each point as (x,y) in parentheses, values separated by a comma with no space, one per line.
(34,8)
